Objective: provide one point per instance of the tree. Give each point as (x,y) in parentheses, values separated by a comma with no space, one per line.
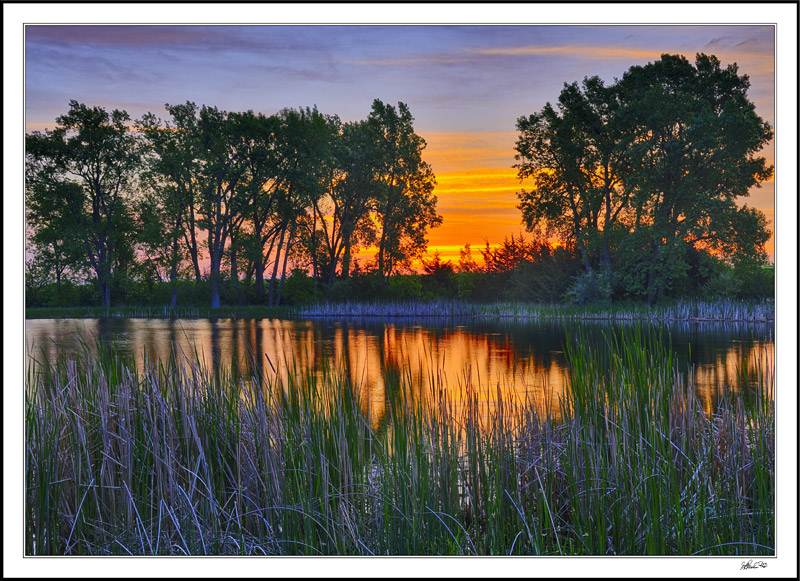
(172,172)
(166,212)
(405,204)
(222,167)
(643,174)
(304,158)
(261,184)
(92,158)
(696,136)
(575,156)
(344,213)
(55,240)
(466,262)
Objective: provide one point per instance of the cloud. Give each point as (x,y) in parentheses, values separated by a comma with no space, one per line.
(414,61)
(574,51)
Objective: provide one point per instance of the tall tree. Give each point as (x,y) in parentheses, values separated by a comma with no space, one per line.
(405,205)
(648,170)
(694,154)
(262,183)
(52,209)
(171,175)
(304,148)
(344,213)
(223,165)
(575,156)
(94,150)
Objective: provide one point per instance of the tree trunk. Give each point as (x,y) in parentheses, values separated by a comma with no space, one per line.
(237,288)
(275,266)
(259,271)
(651,278)
(191,242)
(285,259)
(346,261)
(107,296)
(216,259)
(173,277)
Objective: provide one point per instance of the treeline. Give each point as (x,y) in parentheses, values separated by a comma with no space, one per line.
(126,205)
(521,268)
(639,182)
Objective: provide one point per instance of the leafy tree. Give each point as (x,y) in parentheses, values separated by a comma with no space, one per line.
(212,177)
(85,168)
(304,150)
(509,254)
(466,262)
(696,136)
(166,214)
(55,236)
(261,185)
(440,272)
(172,173)
(575,155)
(351,195)
(405,204)
(643,174)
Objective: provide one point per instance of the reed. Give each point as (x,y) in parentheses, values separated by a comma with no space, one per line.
(725,310)
(174,459)
(688,310)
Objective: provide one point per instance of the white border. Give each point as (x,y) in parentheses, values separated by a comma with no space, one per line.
(784,15)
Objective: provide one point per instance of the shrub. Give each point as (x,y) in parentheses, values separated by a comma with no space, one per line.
(300,289)
(405,287)
(724,284)
(591,287)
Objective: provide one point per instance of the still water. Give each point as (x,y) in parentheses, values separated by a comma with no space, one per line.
(523,360)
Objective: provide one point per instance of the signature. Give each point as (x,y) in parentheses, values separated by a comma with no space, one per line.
(753,565)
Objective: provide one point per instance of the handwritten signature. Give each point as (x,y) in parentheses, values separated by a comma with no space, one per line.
(753,565)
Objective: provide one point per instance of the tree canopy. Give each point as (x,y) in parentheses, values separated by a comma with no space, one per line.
(643,174)
(79,176)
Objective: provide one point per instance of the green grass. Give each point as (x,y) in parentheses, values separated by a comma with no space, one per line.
(174,459)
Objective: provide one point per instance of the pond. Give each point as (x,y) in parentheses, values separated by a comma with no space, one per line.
(524,360)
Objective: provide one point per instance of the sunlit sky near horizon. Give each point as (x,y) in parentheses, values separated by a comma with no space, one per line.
(465,86)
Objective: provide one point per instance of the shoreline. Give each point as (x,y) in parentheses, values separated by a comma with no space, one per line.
(755,312)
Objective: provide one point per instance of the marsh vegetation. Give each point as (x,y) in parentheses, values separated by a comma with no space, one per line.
(170,457)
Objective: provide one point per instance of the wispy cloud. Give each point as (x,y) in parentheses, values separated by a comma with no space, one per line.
(574,51)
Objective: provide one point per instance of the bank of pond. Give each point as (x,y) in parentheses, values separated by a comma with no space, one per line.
(152,448)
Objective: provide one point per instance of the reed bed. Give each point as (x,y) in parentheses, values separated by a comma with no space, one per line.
(762,311)
(174,459)
(717,311)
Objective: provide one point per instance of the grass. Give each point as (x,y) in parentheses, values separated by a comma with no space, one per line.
(685,310)
(174,459)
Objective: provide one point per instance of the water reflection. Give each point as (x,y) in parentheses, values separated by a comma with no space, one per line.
(520,360)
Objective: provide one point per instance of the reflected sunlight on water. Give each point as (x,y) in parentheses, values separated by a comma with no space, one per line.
(520,361)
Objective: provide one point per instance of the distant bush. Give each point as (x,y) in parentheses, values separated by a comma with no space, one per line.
(756,281)
(300,289)
(724,285)
(591,287)
(405,287)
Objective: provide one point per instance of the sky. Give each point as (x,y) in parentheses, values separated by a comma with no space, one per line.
(465,86)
